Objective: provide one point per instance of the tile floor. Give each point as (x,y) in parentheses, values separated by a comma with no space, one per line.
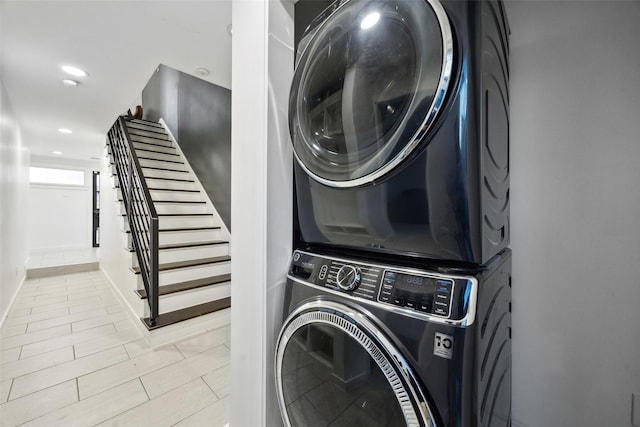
(70,355)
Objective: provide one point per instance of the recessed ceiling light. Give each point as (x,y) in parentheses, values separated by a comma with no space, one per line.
(70,83)
(202,71)
(230,29)
(58,153)
(74,71)
(64,130)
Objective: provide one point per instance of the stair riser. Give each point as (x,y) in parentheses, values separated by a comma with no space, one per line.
(192,273)
(190,236)
(140,138)
(198,252)
(172,237)
(176,196)
(179,208)
(169,157)
(142,126)
(155,135)
(181,222)
(152,147)
(165,174)
(171,185)
(163,165)
(186,254)
(147,123)
(187,221)
(179,300)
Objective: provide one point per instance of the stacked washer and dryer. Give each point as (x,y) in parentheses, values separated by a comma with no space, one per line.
(398,297)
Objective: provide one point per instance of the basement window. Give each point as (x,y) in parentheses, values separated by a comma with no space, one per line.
(55,176)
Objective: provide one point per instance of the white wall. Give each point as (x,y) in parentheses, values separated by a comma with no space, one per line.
(60,216)
(575,187)
(261,202)
(14,186)
(115,260)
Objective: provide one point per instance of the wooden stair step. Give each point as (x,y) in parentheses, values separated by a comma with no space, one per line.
(190,263)
(147,122)
(162,169)
(160,131)
(172,230)
(190,202)
(160,160)
(187,313)
(170,246)
(192,244)
(169,179)
(178,190)
(146,150)
(188,285)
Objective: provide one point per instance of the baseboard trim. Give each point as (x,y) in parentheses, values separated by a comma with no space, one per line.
(12,301)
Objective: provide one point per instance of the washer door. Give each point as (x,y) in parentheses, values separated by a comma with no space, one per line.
(367,87)
(334,367)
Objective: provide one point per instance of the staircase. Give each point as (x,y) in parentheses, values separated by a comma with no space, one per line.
(191,250)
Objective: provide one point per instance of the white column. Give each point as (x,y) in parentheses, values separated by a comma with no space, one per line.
(261,201)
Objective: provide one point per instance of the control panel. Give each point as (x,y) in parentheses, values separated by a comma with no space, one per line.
(417,291)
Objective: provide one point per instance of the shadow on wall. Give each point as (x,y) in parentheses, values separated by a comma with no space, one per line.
(198,114)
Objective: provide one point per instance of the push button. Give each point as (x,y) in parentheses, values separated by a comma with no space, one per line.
(323,272)
(441,311)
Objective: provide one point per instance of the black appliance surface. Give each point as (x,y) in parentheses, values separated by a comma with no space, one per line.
(368,344)
(399,118)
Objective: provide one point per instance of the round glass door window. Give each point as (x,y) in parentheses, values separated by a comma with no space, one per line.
(332,372)
(367,87)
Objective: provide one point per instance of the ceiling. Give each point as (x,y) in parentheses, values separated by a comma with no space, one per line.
(119,43)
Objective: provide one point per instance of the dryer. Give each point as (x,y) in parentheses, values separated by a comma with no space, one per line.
(399,119)
(368,344)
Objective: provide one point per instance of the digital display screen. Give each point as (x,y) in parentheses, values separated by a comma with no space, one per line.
(415,284)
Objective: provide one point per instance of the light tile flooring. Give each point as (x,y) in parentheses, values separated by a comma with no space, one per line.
(71,356)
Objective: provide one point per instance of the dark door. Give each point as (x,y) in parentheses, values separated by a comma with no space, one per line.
(335,368)
(368,84)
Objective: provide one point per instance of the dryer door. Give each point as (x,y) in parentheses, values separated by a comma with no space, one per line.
(369,82)
(335,367)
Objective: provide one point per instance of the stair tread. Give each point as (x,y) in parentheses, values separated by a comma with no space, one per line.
(163,169)
(157,152)
(170,230)
(159,160)
(169,179)
(172,317)
(191,202)
(187,285)
(184,245)
(154,145)
(189,263)
(180,214)
(181,201)
(179,190)
(133,135)
(192,244)
(150,122)
(160,131)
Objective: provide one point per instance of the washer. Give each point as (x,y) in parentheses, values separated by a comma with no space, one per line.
(399,119)
(367,344)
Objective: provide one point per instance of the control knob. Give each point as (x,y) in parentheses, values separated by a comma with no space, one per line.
(348,277)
